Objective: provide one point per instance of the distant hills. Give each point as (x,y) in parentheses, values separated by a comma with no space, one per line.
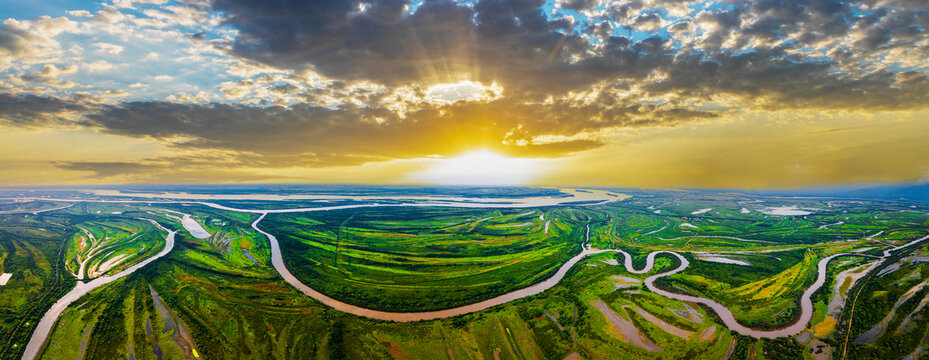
(899,191)
(916,192)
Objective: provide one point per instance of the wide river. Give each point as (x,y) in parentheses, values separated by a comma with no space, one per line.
(806,308)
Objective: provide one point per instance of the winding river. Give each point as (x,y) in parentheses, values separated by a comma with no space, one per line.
(806,305)
(806,308)
(44,329)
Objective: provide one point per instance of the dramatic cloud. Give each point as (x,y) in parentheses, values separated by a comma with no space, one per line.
(771,53)
(31,41)
(296,83)
(35,111)
(311,135)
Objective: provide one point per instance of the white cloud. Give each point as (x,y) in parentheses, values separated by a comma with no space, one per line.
(179,15)
(199,97)
(151,56)
(48,76)
(108,48)
(49,26)
(128,4)
(80,13)
(237,89)
(115,94)
(51,71)
(25,44)
(98,66)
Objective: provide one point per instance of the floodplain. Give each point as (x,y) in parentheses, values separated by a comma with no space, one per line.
(754,255)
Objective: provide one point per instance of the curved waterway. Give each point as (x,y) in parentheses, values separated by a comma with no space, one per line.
(728,319)
(44,329)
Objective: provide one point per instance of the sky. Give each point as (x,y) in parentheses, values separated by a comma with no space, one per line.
(737,94)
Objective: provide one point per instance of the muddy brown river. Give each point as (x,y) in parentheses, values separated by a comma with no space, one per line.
(806,308)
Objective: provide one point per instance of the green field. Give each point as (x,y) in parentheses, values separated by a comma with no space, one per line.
(31,248)
(406,259)
(187,303)
(106,247)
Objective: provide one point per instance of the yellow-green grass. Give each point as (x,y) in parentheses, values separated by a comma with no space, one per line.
(272,320)
(99,241)
(765,297)
(29,250)
(425,259)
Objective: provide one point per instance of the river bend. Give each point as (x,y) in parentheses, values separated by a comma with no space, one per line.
(44,329)
(728,319)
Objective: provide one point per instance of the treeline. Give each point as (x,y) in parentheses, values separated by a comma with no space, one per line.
(870,309)
(18,323)
(784,348)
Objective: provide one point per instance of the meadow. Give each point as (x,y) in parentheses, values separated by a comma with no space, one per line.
(741,255)
(106,247)
(406,259)
(32,249)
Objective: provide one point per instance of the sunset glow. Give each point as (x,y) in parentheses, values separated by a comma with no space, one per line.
(642,94)
(480,168)
(464,179)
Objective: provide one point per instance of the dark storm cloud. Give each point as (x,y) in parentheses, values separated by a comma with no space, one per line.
(633,64)
(308,135)
(380,44)
(284,89)
(319,136)
(789,83)
(511,42)
(159,171)
(534,56)
(35,111)
(579,4)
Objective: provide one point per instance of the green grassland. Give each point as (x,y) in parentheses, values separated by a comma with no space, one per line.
(899,283)
(109,246)
(765,294)
(820,326)
(208,299)
(765,297)
(272,320)
(726,227)
(134,323)
(30,207)
(35,249)
(31,248)
(406,259)
(232,238)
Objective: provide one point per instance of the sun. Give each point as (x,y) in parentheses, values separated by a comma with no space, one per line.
(482,167)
